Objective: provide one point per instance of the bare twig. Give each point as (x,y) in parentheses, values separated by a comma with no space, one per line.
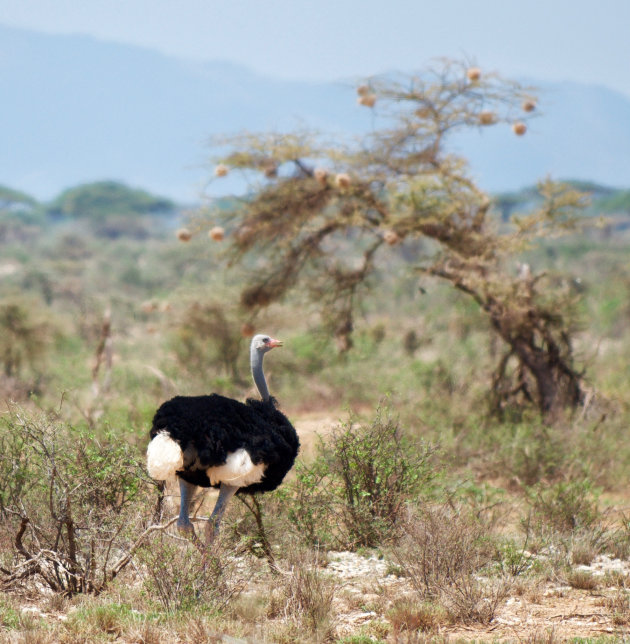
(125,559)
(256,509)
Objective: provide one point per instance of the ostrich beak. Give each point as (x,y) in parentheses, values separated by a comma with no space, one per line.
(274,343)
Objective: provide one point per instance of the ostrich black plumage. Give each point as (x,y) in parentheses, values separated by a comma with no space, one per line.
(214,441)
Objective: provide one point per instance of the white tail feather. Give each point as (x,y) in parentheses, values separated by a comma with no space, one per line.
(238,470)
(164,457)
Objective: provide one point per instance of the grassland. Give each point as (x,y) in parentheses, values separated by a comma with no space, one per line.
(412,514)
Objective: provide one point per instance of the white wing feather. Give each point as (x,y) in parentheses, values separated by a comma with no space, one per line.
(238,470)
(164,457)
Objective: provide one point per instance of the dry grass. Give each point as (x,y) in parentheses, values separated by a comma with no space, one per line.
(530,588)
(619,608)
(305,596)
(615,579)
(180,577)
(409,616)
(542,636)
(582,580)
(444,554)
(250,608)
(583,553)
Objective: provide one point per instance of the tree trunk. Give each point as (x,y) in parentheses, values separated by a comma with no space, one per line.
(557,383)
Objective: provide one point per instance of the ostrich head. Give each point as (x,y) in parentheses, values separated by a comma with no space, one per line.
(261,344)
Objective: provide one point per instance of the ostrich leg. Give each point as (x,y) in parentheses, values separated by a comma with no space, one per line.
(187,490)
(226,492)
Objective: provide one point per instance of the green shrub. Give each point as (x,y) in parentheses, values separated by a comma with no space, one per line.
(71,504)
(24,336)
(310,500)
(566,507)
(9,616)
(208,334)
(514,560)
(357,488)
(534,452)
(312,352)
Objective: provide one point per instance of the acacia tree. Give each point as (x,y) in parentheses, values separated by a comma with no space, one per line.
(321,214)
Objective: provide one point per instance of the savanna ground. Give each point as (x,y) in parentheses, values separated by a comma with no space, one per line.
(412,515)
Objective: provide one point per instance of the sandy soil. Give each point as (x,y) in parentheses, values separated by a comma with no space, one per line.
(561,611)
(554,613)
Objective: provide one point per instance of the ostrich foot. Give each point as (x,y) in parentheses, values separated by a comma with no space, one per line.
(185,528)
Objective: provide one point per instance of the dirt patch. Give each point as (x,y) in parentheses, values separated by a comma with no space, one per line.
(368,592)
(563,612)
(311,428)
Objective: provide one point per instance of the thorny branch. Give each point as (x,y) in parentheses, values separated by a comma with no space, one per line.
(75,578)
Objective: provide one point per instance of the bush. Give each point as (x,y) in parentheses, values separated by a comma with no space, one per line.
(619,542)
(444,554)
(356,490)
(23,337)
(566,508)
(208,334)
(71,505)
(535,452)
(582,580)
(9,616)
(181,577)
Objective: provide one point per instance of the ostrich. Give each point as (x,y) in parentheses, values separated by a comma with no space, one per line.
(214,441)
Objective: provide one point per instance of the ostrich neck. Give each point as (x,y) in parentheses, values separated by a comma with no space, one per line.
(257,373)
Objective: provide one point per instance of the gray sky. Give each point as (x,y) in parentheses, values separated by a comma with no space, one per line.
(579,40)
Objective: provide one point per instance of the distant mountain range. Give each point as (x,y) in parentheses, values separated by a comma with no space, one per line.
(75,109)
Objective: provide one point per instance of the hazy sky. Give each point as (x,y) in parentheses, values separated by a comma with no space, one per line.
(580,40)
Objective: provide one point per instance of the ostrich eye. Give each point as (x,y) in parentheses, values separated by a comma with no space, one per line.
(266,340)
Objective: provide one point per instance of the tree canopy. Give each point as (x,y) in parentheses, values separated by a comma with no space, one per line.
(10,198)
(321,213)
(101,199)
